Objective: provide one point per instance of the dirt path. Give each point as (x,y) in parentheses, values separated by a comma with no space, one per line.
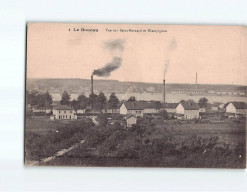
(59,153)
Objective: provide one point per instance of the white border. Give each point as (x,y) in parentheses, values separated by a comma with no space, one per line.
(13,16)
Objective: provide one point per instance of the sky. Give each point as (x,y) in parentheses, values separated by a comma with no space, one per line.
(217,53)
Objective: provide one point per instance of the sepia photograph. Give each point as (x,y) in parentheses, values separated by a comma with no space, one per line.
(135,95)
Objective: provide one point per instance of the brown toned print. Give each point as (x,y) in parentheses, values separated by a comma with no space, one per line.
(136,95)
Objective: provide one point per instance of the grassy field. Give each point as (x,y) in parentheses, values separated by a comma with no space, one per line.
(171,143)
(44,124)
(44,138)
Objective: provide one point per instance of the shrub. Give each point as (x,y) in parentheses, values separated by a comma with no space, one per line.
(38,146)
(102,119)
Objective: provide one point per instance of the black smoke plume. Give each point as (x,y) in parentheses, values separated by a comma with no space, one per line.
(108,68)
(116,48)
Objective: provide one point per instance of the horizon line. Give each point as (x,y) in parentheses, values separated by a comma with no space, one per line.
(140,81)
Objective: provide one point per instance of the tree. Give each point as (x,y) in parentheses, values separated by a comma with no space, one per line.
(82,101)
(100,102)
(203,102)
(33,98)
(164,114)
(102,119)
(132,99)
(157,105)
(113,101)
(92,100)
(75,105)
(65,98)
(191,101)
(47,98)
(102,98)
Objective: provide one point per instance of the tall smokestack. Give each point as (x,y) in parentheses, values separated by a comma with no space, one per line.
(196,82)
(164,90)
(92,84)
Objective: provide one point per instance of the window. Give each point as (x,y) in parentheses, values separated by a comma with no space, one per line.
(65,111)
(59,111)
(70,111)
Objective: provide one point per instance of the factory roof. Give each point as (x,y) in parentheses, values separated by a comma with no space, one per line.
(170,105)
(139,105)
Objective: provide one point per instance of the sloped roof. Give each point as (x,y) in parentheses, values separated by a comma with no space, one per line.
(239,105)
(170,105)
(130,115)
(189,105)
(216,104)
(118,106)
(133,105)
(139,105)
(63,107)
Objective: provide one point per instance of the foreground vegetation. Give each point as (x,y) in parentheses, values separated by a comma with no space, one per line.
(172,143)
(146,145)
(41,144)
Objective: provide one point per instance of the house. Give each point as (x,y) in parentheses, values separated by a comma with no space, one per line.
(134,108)
(188,109)
(217,106)
(138,108)
(111,110)
(64,112)
(46,110)
(170,107)
(149,107)
(130,120)
(236,108)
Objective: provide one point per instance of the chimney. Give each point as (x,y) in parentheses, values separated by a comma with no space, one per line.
(92,85)
(196,82)
(164,90)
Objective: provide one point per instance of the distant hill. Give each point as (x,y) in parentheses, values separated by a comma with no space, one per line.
(76,85)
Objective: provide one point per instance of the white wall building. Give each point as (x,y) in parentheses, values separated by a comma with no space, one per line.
(189,110)
(131,120)
(238,108)
(138,108)
(63,112)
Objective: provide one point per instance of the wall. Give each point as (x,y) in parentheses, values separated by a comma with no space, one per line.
(230,108)
(130,121)
(191,114)
(123,109)
(150,110)
(180,109)
(64,114)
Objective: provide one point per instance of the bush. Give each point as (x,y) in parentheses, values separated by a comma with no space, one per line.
(39,146)
(102,119)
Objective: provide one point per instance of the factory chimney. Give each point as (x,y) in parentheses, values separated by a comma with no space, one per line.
(92,85)
(164,90)
(196,82)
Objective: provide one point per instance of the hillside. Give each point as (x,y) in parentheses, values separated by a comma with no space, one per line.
(117,86)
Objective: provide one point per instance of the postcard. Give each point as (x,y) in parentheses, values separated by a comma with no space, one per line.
(128,95)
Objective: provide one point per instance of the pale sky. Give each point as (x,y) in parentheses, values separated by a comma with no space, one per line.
(217,53)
